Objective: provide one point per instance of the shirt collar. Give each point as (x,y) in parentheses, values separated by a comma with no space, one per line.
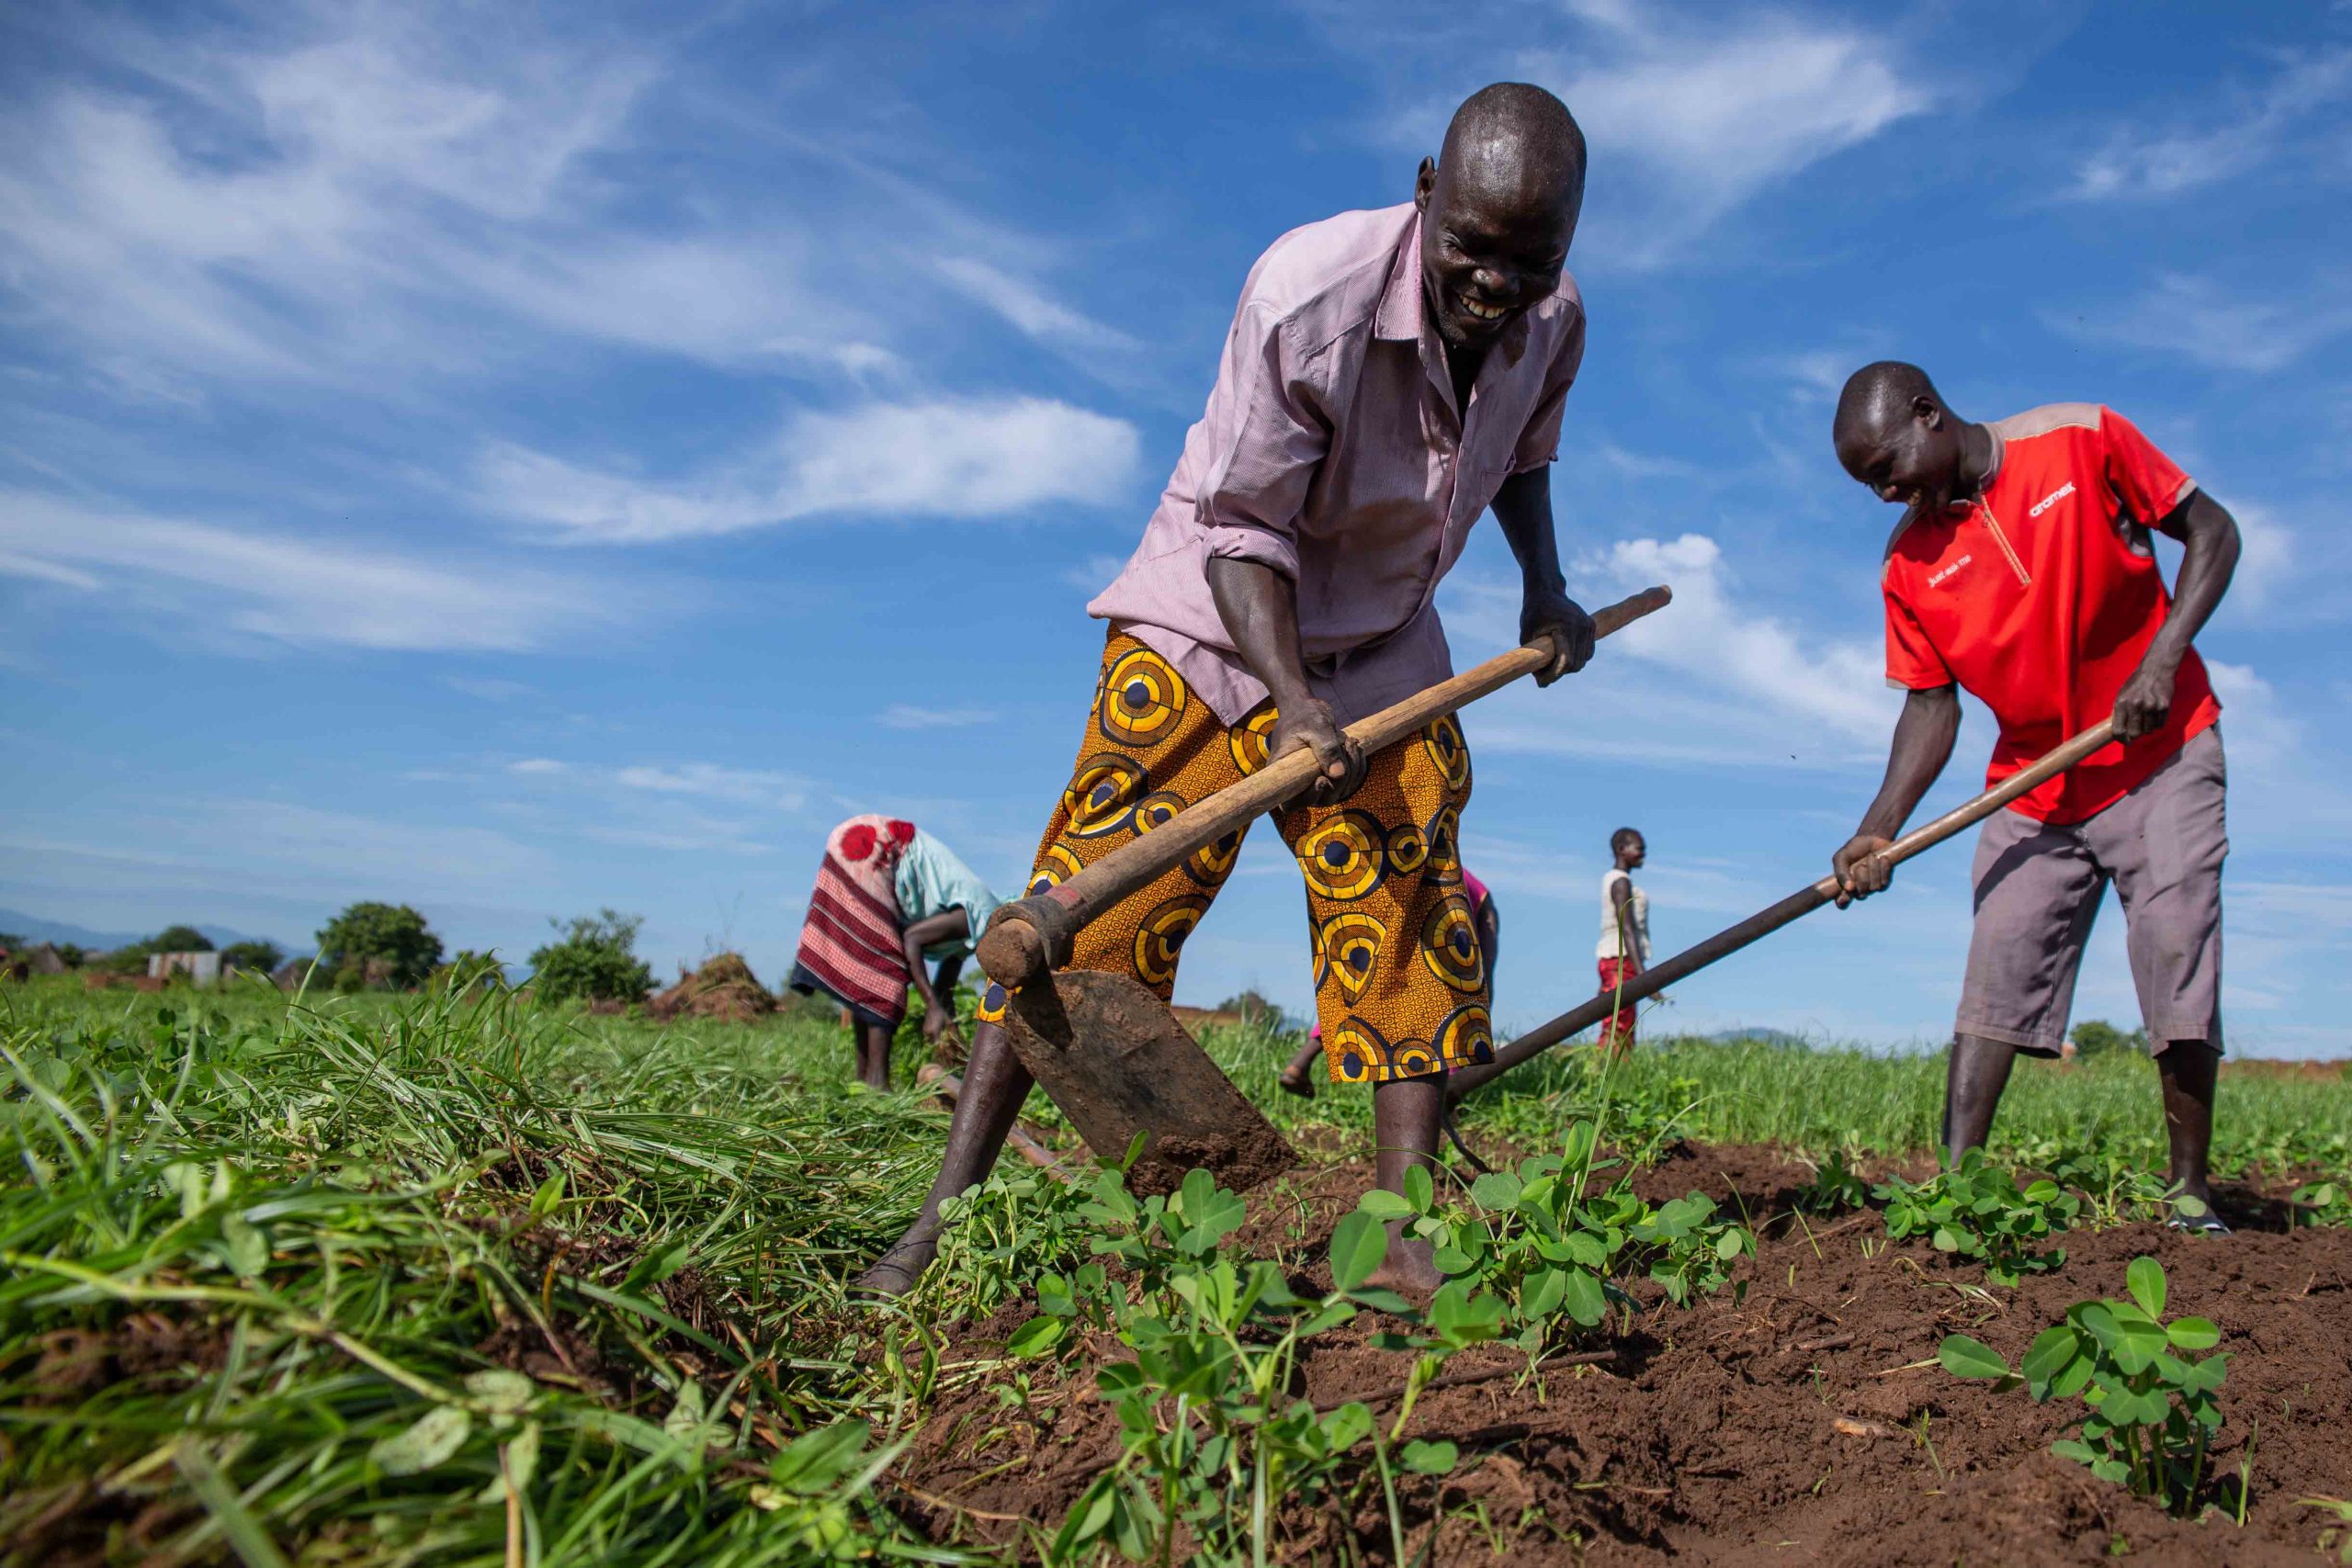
(1991,469)
(1403,316)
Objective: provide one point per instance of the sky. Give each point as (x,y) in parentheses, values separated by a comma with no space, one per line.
(520,460)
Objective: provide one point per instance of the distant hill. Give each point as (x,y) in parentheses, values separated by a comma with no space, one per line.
(33,928)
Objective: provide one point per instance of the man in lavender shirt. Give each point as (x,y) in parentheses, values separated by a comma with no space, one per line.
(1390,376)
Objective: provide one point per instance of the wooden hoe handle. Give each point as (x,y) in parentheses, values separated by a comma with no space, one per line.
(1804,901)
(1028,937)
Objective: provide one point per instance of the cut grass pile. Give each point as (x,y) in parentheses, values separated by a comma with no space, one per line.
(451,1279)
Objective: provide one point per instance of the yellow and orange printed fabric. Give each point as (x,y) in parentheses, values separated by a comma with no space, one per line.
(1400,982)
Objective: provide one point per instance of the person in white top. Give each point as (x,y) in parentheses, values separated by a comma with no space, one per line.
(1625,948)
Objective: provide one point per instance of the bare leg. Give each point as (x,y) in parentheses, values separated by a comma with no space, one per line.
(1405,1116)
(2189,1069)
(1978,1072)
(873,1055)
(995,1083)
(1297,1078)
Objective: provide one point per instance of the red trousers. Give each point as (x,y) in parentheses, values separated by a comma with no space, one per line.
(1617,1033)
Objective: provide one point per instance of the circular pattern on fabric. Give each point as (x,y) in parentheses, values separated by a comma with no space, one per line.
(1442,738)
(1161,936)
(1466,1037)
(1143,698)
(1248,738)
(1211,864)
(1341,855)
(1357,1052)
(1445,845)
(1103,796)
(1157,810)
(1450,944)
(1407,849)
(1413,1059)
(1055,867)
(1349,944)
(992,1004)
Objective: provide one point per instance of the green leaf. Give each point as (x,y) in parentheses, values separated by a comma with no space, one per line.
(1037,1336)
(1498,1190)
(550,1193)
(1424,1458)
(2082,1453)
(1347,1426)
(1360,1246)
(1420,1191)
(1966,1358)
(247,1244)
(1542,1295)
(2050,1354)
(2192,1333)
(502,1391)
(1384,1205)
(686,1416)
(428,1443)
(1947,1239)
(1584,1298)
(815,1459)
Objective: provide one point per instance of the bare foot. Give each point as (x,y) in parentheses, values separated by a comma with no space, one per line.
(898,1270)
(1294,1081)
(1411,1269)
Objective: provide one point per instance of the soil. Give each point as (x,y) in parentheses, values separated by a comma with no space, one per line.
(722,988)
(1803,1419)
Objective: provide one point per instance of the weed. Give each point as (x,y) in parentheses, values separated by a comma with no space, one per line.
(1975,1210)
(2150,1386)
(1836,1185)
(2321,1203)
(2338,1536)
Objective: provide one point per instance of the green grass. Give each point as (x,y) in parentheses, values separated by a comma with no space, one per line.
(319,1281)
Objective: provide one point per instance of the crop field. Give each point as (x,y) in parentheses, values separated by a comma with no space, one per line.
(456,1278)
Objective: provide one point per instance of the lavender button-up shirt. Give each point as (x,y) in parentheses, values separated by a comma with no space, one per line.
(1331,450)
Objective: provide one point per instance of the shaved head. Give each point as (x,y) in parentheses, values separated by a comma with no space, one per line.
(1894,433)
(1499,211)
(1517,135)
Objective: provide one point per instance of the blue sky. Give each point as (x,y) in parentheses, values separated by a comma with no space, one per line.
(517,461)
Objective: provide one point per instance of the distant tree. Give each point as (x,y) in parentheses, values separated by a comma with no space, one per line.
(12,942)
(594,960)
(130,958)
(179,939)
(469,969)
(259,957)
(1249,1005)
(72,954)
(391,938)
(2096,1037)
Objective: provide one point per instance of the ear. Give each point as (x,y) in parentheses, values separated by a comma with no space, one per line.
(1928,411)
(1423,184)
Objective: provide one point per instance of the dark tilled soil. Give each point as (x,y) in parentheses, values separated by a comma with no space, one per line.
(1793,1425)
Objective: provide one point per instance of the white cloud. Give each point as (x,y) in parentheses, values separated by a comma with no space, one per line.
(2195,319)
(27,567)
(1687,121)
(906,715)
(538,767)
(286,588)
(2267,554)
(2259,732)
(1029,309)
(746,786)
(1094,573)
(2141,164)
(976,458)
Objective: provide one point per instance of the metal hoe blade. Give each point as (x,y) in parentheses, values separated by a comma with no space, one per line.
(1109,1054)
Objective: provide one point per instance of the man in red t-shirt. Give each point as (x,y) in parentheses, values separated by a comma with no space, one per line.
(2022,571)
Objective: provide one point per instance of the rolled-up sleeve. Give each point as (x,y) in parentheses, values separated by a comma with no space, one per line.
(1540,443)
(1268,435)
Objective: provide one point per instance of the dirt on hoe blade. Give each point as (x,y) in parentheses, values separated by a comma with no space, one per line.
(1797,1425)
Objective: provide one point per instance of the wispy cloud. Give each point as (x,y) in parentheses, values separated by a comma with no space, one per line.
(981,458)
(2251,128)
(711,781)
(906,715)
(222,584)
(2197,319)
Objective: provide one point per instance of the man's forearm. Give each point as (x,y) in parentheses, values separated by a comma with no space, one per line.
(1259,608)
(1923,742)
(1524,508)
(2210,558)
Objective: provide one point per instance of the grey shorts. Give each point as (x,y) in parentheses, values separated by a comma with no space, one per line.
(2039,886)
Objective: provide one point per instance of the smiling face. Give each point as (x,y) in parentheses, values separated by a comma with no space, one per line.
(1496,225)
(1908,452)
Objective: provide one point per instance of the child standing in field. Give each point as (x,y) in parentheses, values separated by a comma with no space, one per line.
(1625,949)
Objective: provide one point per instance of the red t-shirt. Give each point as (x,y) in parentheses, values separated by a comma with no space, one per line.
(2043,597)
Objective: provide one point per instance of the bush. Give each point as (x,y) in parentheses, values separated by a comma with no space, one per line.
(128,959)
(2096,1037)
(391,940)
(261,956)
(594,961)
(179,939)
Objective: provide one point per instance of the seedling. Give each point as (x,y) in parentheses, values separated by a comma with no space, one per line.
(2321,1203)
(1836,1185)
(1973,1209)
(2150,1386)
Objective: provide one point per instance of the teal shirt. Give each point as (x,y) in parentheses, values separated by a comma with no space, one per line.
(931,881)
